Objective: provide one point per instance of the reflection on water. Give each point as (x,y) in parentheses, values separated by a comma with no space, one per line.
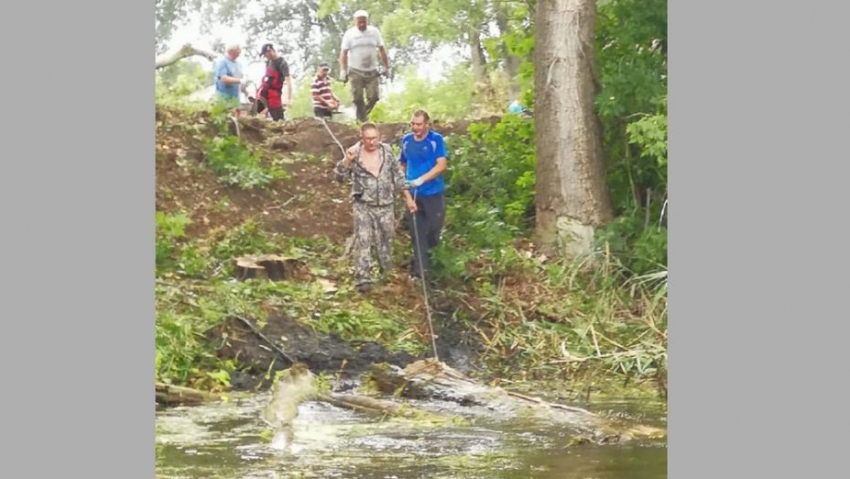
(227,441)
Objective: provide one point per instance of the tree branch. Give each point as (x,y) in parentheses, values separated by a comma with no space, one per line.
(185,51)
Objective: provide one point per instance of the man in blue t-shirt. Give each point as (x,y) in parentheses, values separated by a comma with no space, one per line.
(424,160)
(228,75)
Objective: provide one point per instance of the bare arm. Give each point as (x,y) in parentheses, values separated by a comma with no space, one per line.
(384,58)
(289,89)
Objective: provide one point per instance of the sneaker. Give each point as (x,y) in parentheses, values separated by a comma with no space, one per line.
(364,288)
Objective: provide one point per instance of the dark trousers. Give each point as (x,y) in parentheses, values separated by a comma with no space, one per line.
(429,217)
(368,83)
(321,113)
(276,113)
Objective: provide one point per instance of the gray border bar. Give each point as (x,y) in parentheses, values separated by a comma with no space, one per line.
(78,232)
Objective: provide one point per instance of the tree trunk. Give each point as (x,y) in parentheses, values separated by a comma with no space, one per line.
(185,51)
(479,61)
(571,191)
(511,61)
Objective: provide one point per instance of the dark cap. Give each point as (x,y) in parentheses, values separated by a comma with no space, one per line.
(266,47)
(324,66)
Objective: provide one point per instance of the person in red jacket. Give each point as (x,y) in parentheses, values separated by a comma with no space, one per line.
(277,74)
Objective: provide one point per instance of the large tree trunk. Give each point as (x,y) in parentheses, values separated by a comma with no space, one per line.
(571,192)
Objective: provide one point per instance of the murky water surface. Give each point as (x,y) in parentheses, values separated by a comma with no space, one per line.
(228,440)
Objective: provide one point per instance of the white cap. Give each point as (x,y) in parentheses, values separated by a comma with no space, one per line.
(361,13)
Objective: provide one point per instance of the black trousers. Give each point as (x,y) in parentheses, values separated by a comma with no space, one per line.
(276,113)
(429,217)
(322,113)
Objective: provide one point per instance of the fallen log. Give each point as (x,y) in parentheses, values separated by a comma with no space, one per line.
(170,395)
(369,405)
(432,379)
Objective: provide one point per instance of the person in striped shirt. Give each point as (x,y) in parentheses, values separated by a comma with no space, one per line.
(324,101)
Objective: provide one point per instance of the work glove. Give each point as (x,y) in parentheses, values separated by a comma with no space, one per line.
(414,183)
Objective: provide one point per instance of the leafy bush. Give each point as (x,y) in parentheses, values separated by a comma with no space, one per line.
(231,160)
(490,192)
(169,229)
(641,248)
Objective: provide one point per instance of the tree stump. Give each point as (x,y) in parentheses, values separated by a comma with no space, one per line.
(269,266)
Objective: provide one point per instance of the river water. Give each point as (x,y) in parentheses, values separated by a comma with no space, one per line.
(229,440)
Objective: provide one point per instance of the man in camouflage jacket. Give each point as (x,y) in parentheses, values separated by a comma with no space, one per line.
(376,179)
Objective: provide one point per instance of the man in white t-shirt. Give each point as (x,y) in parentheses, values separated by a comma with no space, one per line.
(358,62)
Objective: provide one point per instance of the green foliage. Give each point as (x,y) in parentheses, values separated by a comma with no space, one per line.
(174,13)
(650,135)
(581,323)
(185,314)
(231,160)
(176,82)
(492,180)
(365,323)
(453,98)
(235,164)
(183,355)
(170,228)
(632,64)
(182,78)
(641,247)
(489,197)
(247,238)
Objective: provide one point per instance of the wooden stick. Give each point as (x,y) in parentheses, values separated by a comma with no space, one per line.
(367,404)
(550,404)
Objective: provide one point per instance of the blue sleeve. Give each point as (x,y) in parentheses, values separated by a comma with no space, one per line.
(441,148)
